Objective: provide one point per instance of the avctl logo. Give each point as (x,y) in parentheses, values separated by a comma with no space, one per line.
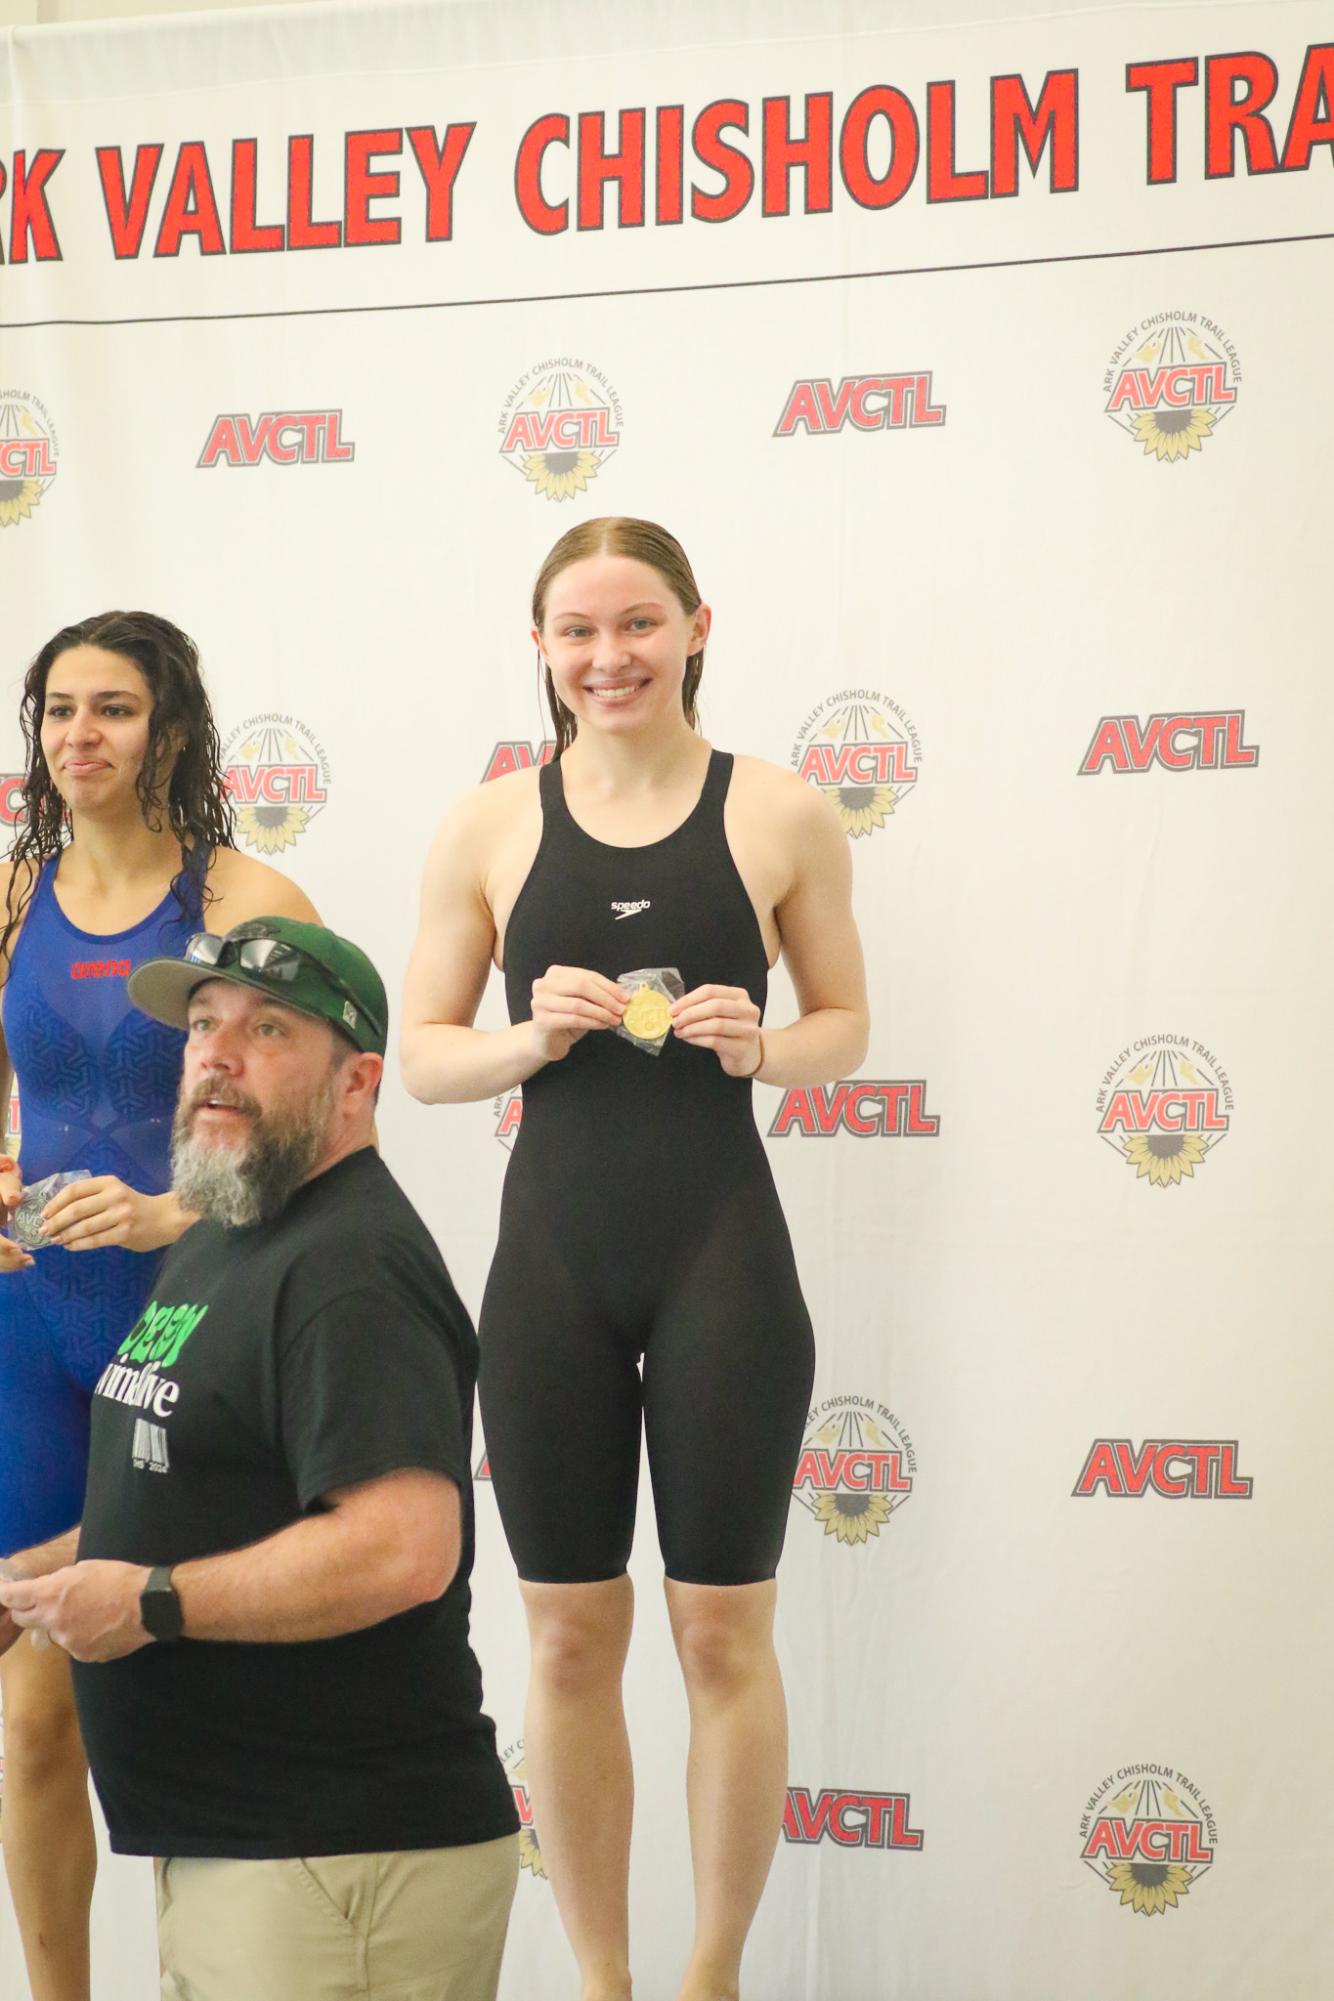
(861,749)
(11,797)
(1149,1834)
(513,755)
(1177,740)
(516,1771)
(1163,1105)
(865,1107)
(559,425)
(507,1110)
(280,438)
(1170,383)
(28,454)
(856,1467)
(850,1819)
(277,773)
(1178,1469)
(861,402)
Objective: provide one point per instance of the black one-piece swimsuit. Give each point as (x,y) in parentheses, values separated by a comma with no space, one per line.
(640,1220)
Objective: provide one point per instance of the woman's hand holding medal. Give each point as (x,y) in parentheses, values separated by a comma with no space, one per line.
(726,1020)
(567,1002)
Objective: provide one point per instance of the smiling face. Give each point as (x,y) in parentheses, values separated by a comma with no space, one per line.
(616,639)
(96,717)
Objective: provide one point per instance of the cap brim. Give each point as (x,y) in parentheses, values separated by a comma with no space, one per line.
(162,987)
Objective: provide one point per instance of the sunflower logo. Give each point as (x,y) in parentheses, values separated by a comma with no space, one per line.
(1171,391)
(530,1848)
(1148,1844)
(851,1517)
(559,427)
(1148,1887)
(27,457)
(1164,1110)
(560,475)
(277,775)
(1172,434)
(270,829)
(856,753)
(1163,1158)
(855,1469)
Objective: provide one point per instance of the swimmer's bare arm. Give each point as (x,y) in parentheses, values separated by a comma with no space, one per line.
(104,1211)
(12,1256)
(445,1060)
(820,948)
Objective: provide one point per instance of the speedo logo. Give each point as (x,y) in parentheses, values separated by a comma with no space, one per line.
(100,969)
(632,909)
(159,1334)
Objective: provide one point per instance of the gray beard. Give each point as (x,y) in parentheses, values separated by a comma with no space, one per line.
(240,1186)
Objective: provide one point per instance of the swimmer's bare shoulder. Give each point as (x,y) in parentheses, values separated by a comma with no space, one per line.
(18,879)
(771,809)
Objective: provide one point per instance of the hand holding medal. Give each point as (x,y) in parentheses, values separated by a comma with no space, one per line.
(647,1021)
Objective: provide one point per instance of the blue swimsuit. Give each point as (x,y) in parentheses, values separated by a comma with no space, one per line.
(97,1090)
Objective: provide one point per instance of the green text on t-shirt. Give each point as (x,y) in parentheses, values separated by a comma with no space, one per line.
(160,1332)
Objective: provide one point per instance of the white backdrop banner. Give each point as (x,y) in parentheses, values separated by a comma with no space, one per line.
(981,370)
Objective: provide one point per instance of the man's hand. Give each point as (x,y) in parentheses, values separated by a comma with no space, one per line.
(93,1215)
(90,1609)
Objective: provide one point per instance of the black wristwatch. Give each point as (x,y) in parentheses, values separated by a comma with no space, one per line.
(159,1607)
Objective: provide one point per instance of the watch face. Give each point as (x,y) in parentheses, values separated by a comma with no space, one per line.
(160,1608)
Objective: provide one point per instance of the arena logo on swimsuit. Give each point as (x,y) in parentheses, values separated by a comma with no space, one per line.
(862,750)
(29,455)
(1178,1469)
(100,969)
(516,755)
(1176,740)
(559,425)
(1171,381)
(1164,1104)
(865,1107)
(1149,1834)
(856,1468)
(277,774)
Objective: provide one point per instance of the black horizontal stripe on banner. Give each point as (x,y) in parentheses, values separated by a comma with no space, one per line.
(659,291)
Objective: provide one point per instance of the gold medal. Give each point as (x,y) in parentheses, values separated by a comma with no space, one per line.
(648,1015)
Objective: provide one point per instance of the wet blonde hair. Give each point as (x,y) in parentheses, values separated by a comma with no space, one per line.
(646,542)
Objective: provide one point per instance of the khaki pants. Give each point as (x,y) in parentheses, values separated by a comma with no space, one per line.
(421,1925)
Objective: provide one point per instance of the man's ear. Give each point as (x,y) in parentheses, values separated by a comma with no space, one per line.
(364,1074)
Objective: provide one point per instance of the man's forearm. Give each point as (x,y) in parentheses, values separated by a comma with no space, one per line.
(323,1576)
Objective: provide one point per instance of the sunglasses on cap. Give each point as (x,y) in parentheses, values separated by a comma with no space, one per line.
(271,958)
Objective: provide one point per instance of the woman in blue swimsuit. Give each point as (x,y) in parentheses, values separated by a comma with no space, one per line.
(124,851)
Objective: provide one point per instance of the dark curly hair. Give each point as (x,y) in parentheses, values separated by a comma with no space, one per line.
(196,807)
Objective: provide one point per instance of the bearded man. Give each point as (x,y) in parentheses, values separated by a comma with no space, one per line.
(267,1602)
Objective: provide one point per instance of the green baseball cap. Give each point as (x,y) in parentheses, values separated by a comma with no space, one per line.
(304,966)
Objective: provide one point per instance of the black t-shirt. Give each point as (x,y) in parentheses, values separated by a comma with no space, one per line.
(273,1365)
